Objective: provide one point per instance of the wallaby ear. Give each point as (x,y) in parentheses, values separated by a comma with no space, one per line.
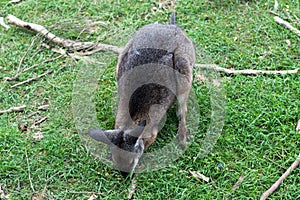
(107,137)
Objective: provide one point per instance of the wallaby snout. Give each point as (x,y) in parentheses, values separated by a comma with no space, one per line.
(154,69)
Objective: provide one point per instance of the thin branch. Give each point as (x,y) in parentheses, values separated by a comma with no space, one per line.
(17,109)
(43,107)
(239,182)
(199,176)
(93,47)
(132,188)
(40,121)
(49,60)
(31,79)
(287,25)
(298,126)
(20,63)
(28,169)
(247,71)
(75,192)
(42,194)
(2,23)
(69,44)
(279,181)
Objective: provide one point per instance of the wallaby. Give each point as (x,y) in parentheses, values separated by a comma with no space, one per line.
(154,69)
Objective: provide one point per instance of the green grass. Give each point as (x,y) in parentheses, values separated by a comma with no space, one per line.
(259,137)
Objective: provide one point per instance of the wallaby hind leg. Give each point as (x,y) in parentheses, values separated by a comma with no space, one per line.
(183,131)
(184,83)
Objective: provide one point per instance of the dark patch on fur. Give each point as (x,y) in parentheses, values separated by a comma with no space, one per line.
(146,96)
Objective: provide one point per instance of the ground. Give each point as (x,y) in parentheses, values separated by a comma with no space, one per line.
(259,138)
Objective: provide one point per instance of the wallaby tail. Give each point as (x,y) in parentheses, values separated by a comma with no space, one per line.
(173,18)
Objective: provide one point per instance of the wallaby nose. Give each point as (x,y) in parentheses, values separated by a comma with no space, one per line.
(124,174)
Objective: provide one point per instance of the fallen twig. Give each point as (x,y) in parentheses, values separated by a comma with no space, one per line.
(49,60)
(31,79)
(20,63)
(236,185)
(69,44)
(2,23)
(41,195)
(40,121)
(239,182)
(247,71)
(88,48)
(17,109)
(287,25)
(14,1)
(298,126)
(198,175)
(28,170)
(132,188)
(43,107)
(75,192)
(279,181)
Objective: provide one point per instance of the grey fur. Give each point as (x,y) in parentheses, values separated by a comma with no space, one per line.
(153,70)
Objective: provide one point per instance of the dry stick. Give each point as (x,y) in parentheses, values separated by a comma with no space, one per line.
(287,25)
(236,185)
(2,23)
(75,192)
(95,47)
(28,169)
(246,71)
(31,79)
(199,175)
(42,194)
(70,44)
(279,181)
(40,121)
(298,126)
(132,188)
(20,63)
(43,107)
(35,65)
(239,182)
(17,108)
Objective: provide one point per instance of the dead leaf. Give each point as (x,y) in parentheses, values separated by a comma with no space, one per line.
(199,175)
(2,194)
(38,135)
(288,42)
(201,78)
(216,83)
(93,197)
(23,127)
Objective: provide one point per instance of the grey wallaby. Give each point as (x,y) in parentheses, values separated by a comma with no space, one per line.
(154,69)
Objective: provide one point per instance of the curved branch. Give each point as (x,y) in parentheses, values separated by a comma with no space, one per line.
(93,47)
(69,44)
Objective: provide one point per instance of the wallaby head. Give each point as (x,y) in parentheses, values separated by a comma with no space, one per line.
(154,69)
(126,145)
